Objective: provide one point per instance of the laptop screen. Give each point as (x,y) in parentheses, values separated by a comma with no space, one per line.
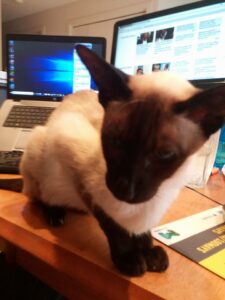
(3,93)
(48,67)
(189,40)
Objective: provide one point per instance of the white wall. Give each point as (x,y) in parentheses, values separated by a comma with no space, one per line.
(163,4)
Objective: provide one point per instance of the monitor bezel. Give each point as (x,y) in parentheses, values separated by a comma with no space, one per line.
(162,13)
(48,38)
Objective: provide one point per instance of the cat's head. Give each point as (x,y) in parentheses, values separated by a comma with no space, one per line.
(152,124)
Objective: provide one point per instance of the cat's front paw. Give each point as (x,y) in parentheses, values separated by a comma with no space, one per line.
(131,264)
(55,215)
(157,259)
(56,218)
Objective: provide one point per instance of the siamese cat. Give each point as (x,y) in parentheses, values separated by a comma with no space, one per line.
(122,154)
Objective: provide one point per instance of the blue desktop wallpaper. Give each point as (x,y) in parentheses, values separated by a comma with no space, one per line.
(44,67)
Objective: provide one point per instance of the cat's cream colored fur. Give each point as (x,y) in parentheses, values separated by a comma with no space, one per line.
(64,159)
(59,153)
(168,85)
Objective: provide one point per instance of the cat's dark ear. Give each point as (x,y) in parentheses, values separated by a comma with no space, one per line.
(207,108)
(112,83)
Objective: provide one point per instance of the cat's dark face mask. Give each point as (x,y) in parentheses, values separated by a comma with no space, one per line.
(146,140)
(142,147)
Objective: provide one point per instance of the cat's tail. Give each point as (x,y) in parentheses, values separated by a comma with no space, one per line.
(11,184)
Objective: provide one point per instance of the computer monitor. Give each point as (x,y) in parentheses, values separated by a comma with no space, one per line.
(48,67)
(188,39)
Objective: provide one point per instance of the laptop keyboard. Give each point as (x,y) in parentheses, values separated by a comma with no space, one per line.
(27,116)
(9,161)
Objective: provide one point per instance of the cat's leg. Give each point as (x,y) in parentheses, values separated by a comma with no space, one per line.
(133,255)
(30,163)
(30,186)
(55,215)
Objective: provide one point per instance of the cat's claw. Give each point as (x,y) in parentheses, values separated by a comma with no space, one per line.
(157,259)
(56,221)
(131,266)
(55,215)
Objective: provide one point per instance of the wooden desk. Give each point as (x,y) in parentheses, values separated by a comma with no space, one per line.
(215,188)
(75,260)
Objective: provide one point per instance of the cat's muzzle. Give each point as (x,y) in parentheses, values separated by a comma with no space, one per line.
(127,190)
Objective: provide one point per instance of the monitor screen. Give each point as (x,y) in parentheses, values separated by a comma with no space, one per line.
(189,40)
(48,67)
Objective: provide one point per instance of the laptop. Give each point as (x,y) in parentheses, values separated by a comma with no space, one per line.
(40,71)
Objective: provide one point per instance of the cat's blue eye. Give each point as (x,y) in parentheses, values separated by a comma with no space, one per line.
(147,163)
(166,154)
